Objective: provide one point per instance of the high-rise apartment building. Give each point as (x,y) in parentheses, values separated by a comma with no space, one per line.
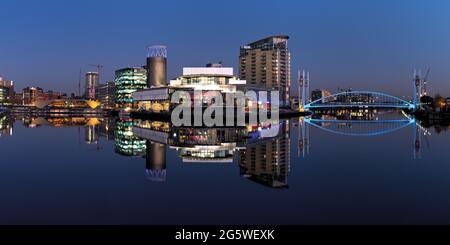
(267,64)
(91,83)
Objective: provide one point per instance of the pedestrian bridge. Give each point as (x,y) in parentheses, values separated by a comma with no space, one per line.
(359,99)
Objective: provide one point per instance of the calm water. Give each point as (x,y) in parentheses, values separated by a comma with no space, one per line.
(379,169)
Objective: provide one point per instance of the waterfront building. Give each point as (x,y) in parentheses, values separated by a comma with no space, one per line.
(91,82)
(319,94)
(156,66)
(4,96)
(18,99)
(30,95)
(6,92)
(212,78)
(345,96)
(267,64)
(106,94)
(52,95)
(35,96)
(127,81)
(316,95)
(209,78)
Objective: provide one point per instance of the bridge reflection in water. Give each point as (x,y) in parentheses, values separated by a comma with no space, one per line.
(360,127)
(261,151)
(365,124)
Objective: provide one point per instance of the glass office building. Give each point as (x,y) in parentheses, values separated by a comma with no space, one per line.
(6,92)
(127,81)
(4,96)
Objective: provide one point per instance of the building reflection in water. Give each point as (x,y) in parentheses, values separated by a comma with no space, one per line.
(155,161)
(262,151)
(107,127)
(32,122)
(213,145)
(6,126)
(91,131)
(268,162)
(91,134)
(126,143)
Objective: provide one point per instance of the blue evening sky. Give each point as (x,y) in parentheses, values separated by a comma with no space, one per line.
(364,44)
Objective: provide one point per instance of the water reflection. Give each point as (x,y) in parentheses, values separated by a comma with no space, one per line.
(262,151)
(268,162)
(155,161)
(6,126)
(126,143)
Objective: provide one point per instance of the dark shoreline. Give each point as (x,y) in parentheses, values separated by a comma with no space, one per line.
(433,115)
(167,116)
(433,118)
(161,116)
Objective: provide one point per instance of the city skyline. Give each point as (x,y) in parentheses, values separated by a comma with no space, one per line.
(211,121)
(54,40)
